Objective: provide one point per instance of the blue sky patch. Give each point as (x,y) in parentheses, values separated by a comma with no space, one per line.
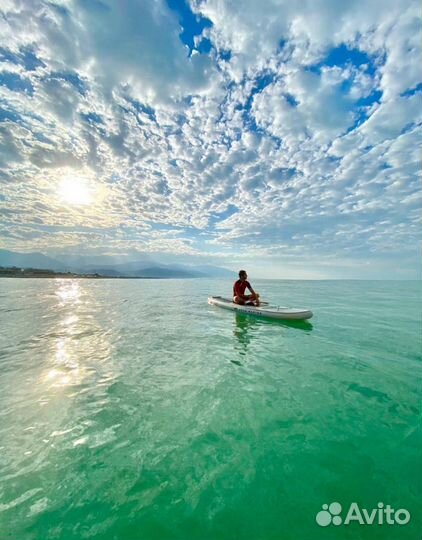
(92,118)
(14,82)
(26,58)
(191,23)
(30,61)
(142,108)
(204,46)
(225,55)
(291,100)
(261,82)
(12,116)
(373,97)
(342,56)
(281,44)
(70,77)
(221,216)
(412,91)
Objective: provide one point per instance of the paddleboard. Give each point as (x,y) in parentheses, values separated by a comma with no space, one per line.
(271,312)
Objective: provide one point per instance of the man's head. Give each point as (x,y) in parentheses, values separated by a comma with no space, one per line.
(243,275)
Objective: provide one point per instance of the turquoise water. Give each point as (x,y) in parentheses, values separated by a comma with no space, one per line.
(122,420)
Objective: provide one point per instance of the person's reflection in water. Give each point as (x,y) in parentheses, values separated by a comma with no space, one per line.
(243,325)
(246,327)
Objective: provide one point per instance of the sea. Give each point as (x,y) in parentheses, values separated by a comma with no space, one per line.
(133,410)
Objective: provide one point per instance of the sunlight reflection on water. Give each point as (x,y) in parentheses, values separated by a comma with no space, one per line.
(78,337)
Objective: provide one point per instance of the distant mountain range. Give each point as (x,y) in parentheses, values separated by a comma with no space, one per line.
(29,260)
(110,266)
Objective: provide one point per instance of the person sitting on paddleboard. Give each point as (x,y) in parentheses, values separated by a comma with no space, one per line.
(239,296)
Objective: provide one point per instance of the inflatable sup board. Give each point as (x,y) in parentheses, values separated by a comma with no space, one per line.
(267,311)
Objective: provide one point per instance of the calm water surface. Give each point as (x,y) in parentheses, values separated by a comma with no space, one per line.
(130,409)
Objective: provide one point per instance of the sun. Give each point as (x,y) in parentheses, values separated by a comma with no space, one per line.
(75,190)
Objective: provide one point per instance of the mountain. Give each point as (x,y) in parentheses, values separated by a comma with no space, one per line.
(29,260)
(160,272)
(150,268)
(108,272)
(145,270)
(216,271)
(85,262)
(112,266)
(128,268)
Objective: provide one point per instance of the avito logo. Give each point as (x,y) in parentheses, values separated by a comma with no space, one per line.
(382,515)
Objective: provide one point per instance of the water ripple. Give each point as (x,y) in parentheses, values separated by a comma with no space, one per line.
(119,419)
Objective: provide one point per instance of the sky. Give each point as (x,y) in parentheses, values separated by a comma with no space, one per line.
(281,136)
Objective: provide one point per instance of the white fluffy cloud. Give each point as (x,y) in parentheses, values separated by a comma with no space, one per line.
(294,138)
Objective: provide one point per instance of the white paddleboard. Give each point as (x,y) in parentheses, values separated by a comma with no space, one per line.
(271,312)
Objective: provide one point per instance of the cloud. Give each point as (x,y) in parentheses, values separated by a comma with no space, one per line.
(279,128)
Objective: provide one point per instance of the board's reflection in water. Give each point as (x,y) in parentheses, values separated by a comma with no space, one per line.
(246,329)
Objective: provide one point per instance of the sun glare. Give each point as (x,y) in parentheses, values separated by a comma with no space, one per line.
(74,190)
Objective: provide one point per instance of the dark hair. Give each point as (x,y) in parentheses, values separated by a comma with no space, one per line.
(242,273)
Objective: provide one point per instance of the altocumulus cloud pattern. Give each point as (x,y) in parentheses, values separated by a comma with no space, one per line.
(265,130)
